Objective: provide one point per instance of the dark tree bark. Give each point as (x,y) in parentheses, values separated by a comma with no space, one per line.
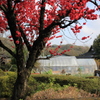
(20,86)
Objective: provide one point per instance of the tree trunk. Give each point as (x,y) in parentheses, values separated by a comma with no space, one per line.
(24,70)
(20,87)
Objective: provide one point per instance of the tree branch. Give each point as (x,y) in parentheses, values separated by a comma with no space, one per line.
(25,39)
(7,49)
(50,27)
(42,15)
(67,24)
(3,7)
(9,3)
(94,2)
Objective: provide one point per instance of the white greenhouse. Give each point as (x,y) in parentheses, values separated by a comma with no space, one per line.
(68,64)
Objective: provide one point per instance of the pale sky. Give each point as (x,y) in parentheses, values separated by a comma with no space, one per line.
(92,29)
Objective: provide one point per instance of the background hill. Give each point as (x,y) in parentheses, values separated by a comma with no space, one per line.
(75,51)
(8,43)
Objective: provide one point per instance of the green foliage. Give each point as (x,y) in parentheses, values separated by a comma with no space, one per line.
(39,86)
(84,75)
(6,84)
(32,85)
(41,82)
(5,67)
(8,67)
(79,71)
(48,72)
(90,85)
(13,61)
(1,72)
(4,88)
(13,68)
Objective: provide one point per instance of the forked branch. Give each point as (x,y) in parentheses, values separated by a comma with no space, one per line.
(7,49)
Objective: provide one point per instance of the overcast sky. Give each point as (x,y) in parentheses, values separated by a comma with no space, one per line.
(92,29)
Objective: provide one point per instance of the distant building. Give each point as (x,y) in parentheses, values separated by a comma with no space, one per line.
(89,54)
(68,65)
(84,63)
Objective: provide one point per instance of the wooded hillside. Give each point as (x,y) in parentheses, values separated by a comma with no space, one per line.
(74,51)
(7,43)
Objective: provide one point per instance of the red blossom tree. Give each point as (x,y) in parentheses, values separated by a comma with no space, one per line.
(32,23)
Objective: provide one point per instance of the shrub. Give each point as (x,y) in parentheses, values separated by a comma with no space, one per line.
(32,85)
(4,87)
(6,84)
(90,85)
(48,72)
(1,72)
(43,81)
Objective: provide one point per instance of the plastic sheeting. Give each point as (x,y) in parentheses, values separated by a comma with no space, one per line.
(87,65)
(63,61)
(70,64)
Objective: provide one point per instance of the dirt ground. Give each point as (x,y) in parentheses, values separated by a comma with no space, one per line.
(70,93)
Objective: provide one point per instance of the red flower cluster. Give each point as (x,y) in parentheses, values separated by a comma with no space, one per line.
(28,17)
(83,38)
(76,29)
(17,42)
(54,52)
(18,34)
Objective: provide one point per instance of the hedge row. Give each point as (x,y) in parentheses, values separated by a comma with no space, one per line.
(89,85)
(40,82)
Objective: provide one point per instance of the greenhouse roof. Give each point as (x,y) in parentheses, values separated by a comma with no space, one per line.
(86,62)
(63,61)
(67,61)
(59,61)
